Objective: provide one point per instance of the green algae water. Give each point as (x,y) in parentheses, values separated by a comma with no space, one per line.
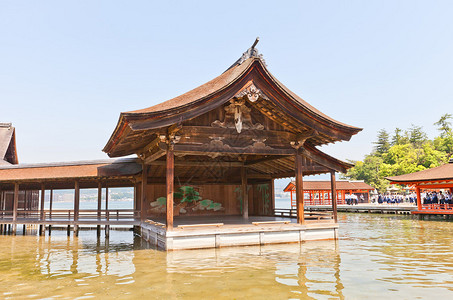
(377,256)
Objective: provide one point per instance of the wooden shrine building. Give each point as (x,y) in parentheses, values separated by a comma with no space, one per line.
(318,192)
(434,179)
(215,151)
(205,167)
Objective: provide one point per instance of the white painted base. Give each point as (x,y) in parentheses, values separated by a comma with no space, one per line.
(240,236)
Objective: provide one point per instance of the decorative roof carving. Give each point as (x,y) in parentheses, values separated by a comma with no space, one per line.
(237,115)
(252,93)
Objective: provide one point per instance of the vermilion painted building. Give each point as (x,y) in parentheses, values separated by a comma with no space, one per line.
(319,192)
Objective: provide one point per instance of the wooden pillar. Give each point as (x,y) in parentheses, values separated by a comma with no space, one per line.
(299,190)
(419,198)
(272,197)
(99,199)
(143,192)
(333,189)
(107,203)
(50,203)
(43,197)
(76,206)
(245,194)
(170,185)
(98,227)
(136,199)
(15,201)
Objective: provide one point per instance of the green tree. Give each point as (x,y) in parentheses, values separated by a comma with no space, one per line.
(417,136)
(399,138)
(368,171)
(382,143)
(444,125)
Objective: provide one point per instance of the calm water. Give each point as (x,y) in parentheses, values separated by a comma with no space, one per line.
(378,256)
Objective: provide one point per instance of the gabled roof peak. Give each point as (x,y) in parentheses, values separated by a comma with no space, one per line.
(251,52)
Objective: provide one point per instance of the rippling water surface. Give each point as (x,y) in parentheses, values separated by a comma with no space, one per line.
(377,256)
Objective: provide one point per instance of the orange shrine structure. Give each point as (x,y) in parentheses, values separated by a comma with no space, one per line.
(434,179)
(320,192)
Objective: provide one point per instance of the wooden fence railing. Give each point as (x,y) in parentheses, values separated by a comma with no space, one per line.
(69,215)
(437,207)
(309,215)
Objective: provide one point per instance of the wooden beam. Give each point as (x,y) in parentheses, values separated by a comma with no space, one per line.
(15,201)
(299,189)
(245,194)
(207,149)
(208,131)
(170,187)
(154,156)
(333,190)
(261,176)
(322,160)
(151,145)
(222,164)
(269,158)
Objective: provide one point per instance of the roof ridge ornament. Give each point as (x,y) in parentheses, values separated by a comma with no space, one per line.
(251,52)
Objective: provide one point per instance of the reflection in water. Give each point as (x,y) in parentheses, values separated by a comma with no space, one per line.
(376,257)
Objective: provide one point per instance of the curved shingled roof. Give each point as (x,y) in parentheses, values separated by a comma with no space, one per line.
(441,173)
(8,153)
(220,90)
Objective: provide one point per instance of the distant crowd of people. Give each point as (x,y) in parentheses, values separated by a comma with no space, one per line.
(427,198)
(437,198)
(352,199)
(396,199)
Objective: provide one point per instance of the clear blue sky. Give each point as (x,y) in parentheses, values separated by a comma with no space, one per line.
(68,68)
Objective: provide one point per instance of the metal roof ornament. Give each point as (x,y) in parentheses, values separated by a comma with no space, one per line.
(251,52)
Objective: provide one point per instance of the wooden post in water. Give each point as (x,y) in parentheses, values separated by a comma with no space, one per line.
(41,210)
(333,190)
(245,194)
(107,201)
(143,192)
(299,189)
(15,204)
(272,187)
(50,203)
(76,207)
(170,185)
(98,227)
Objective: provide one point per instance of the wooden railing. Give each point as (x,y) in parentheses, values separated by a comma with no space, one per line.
(437,207)
(292,213)
(69,215)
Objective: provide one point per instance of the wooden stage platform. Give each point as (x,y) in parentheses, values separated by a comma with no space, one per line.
(226,231)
